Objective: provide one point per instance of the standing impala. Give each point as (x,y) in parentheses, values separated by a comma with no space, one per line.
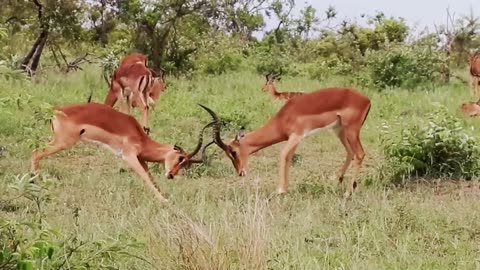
(342,109)
(272,89)
(475,72)
(119,132)
(136,86)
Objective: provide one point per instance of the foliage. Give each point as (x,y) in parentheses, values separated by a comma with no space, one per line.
(404,66)
(220,56)
(439,148)
(31,244)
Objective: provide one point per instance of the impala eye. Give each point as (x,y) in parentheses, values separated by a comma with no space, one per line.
(181,159)
(234,154)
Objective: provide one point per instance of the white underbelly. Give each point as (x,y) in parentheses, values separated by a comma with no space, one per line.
(115,150)
(332,126)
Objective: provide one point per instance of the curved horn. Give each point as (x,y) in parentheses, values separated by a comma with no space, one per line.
(200,140)
(268,75)
(204,156)
(278,74)
(218,125)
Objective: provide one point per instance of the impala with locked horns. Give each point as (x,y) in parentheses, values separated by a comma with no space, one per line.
(342,110)
(119,132)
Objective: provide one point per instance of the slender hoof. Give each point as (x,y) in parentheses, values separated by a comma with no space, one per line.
(281,191)
(169,176)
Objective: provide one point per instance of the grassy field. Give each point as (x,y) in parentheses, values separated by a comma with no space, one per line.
(216,220)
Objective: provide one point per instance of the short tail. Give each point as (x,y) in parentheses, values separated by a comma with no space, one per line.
(368,111)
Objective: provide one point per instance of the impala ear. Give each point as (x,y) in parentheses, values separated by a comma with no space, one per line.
(177,148)
(240,134)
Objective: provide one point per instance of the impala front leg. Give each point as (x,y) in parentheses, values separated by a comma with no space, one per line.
(140,168)
(286,160)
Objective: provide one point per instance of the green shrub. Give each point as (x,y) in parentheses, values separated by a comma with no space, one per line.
(404,66)
(217,63)
(438,148)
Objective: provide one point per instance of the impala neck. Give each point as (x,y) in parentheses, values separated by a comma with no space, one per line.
(153,151)
(265,136)
(273,91)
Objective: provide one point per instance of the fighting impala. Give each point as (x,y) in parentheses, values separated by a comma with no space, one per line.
(272,89)
(136,86)
(475,72)
(342,109)
(119,132)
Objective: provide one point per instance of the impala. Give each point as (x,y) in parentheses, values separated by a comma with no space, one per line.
(475,72)
(134,84)
(343,110)
(119,132)
(271,88)
(133,58)
(471,109)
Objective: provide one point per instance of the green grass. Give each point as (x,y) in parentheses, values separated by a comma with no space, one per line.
(216,220)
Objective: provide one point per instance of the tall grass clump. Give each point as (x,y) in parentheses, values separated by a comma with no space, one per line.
(237,241)
(438,148)
(31,243)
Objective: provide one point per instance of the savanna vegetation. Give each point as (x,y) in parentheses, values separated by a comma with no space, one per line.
(417,202)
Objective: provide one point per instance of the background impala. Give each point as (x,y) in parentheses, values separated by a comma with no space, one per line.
(269,87)
(135,85)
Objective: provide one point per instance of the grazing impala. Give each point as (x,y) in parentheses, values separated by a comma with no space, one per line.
(270,88)
(475,72)
(342,109)
(133,58)
(471,109)
(134,84)
(119,132)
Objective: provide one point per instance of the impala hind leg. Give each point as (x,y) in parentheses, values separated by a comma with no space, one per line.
(141,168)
(58,144)
(286,160)
(343,139)
(353,138)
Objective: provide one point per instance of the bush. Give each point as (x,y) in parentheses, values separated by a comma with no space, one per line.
(220,62)
(219,55)
(438,148)
(404,66)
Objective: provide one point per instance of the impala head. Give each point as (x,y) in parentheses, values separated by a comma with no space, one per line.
(270,79)
(177,158)
(235,150)
(158,86)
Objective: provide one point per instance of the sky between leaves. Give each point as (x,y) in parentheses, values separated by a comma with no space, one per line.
(418,13)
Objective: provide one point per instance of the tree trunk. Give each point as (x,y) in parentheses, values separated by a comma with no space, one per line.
(29,55)
(31,60)
(38,54)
